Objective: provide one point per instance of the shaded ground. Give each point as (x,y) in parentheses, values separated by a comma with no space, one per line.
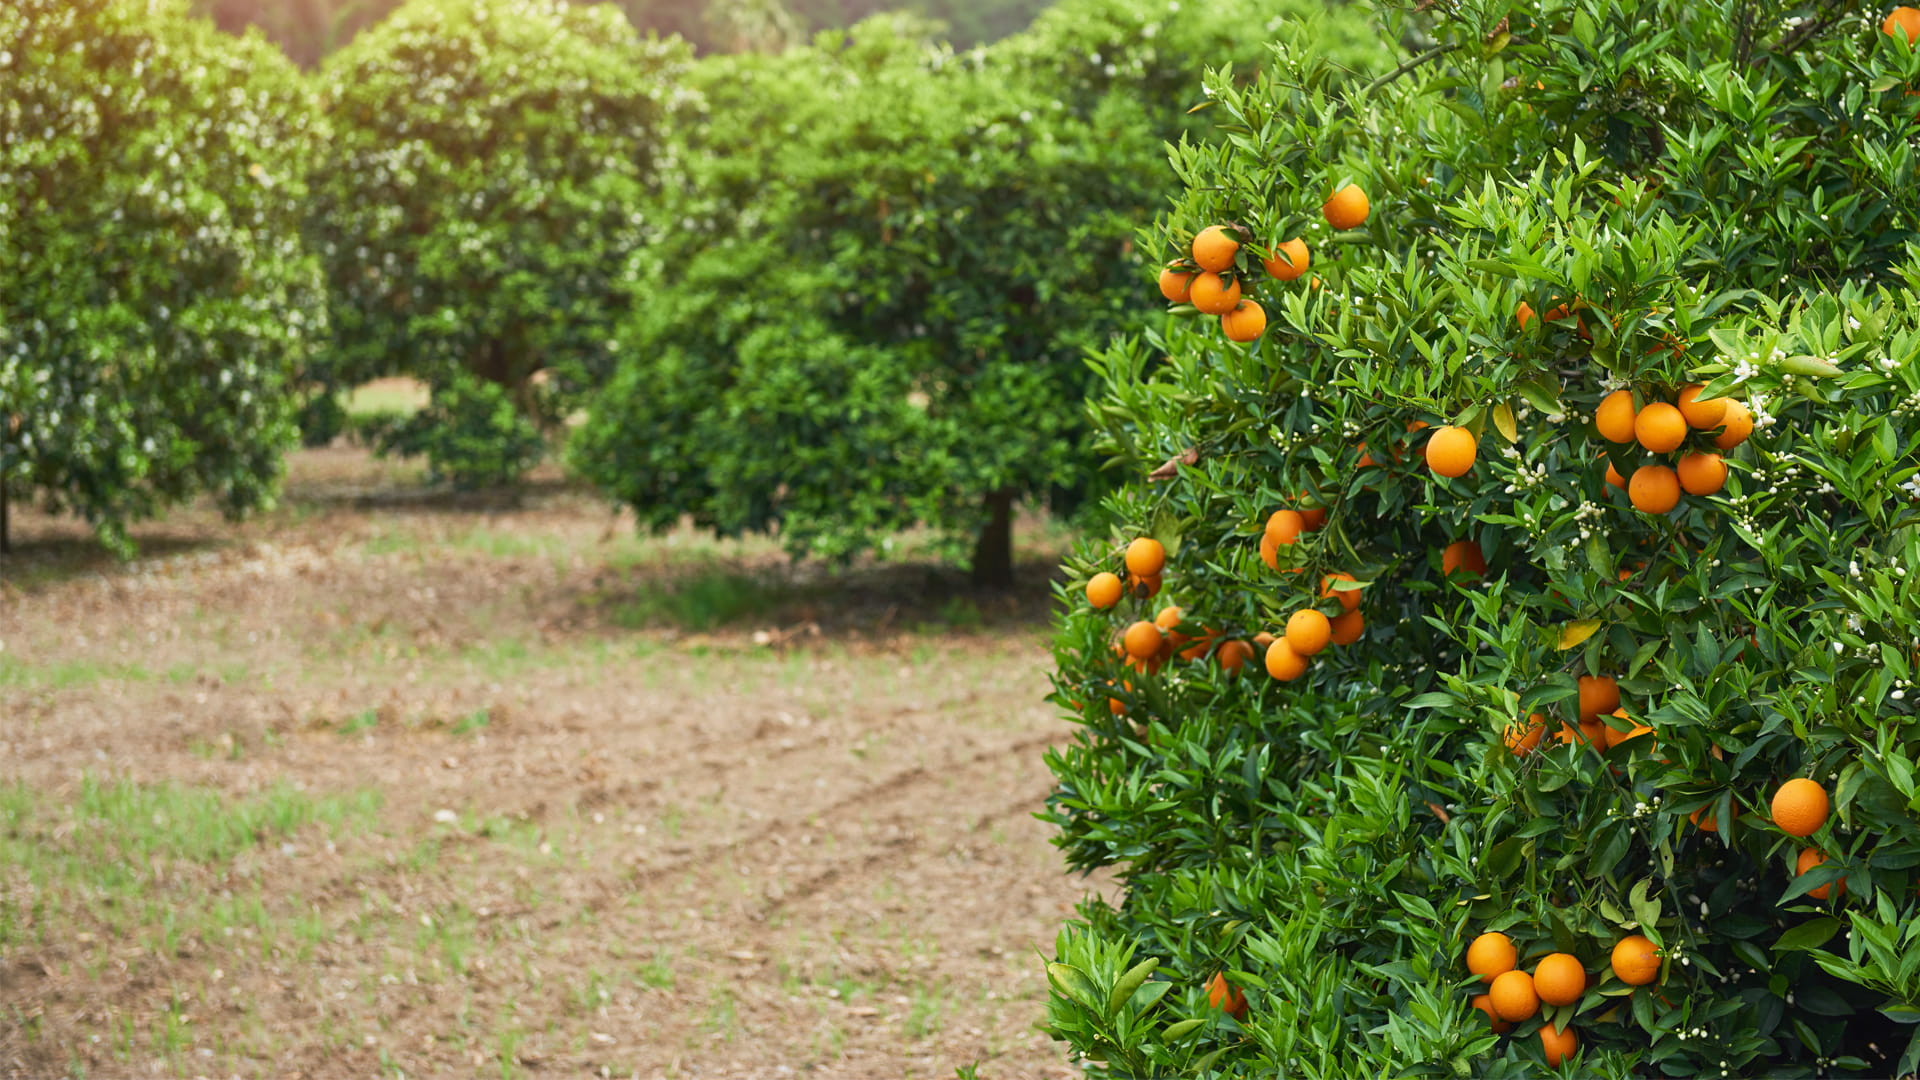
(392,783)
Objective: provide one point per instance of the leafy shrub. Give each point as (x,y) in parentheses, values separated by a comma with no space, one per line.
(155,301)
(485,190)
(894,258)
(473,434)
(1565,203)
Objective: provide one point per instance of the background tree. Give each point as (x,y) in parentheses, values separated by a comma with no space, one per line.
(900,255)
(482,197)
(155,300)
(1607,404)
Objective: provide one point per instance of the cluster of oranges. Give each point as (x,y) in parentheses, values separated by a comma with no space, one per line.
(1146,646)
(1800,807)
(1210,278)
(1662,427)
(1308,630)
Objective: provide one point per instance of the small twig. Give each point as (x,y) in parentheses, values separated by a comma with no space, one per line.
(1829,14)
(1171,466)
(1440,812)
(1431,54)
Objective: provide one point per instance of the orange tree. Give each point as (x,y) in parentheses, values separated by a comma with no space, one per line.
(890,260)
(1502,660)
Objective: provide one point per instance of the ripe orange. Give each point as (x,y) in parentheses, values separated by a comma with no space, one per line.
(1598,694)
(1349,598)
(1523,736)
(1810,858)
(1654,489)
(1523,314)
(1260,642)
(1284,526)
(1143,586)
(1245,323)
(1146,557)
(1168,619)
(1614,479)
(1348,208)
(1312,519)
(1283,663)
(1103,590)
(1176,283)
(1484,1002)
(1660,428)
(1702,474)
(1490,955)
(1269,551)
(1290,260)
(1560,978)
(1738,425)
(1224,996)
(1214,248)
(1614,419)
(1513,996)
(1233,655)
(1347,627)
(1705,820)
(1308,631)
(1702,415)
(1614,736)
(1902,20)
(1142,640)
(1558,1046)
(1635,960)
(1450,451)
(1464,557)
(1800,807)
(1114,704)
(1198,650)
(1589,733)
(1213,294)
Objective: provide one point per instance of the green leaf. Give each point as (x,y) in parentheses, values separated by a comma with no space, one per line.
(1129,982)
(1176,1032)
(1073,983)
(1808,935)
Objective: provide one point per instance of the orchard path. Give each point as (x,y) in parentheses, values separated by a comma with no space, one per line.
(391,784)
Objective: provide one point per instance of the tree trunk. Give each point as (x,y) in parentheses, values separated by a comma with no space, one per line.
(6,545)
(993,551)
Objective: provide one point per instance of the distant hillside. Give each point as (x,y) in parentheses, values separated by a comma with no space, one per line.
(309,29)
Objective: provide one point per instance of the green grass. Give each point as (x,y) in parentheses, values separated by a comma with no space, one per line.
(16,673)
(701,600)
(360,723)
(472,722)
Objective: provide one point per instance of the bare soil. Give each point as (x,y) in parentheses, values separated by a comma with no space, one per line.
(394,782)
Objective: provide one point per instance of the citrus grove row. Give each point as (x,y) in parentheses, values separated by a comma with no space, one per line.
(1559,470)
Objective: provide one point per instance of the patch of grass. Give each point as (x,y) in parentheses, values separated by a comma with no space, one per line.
(470,723)
(657,973)
(360,723)
(703,600)
(16,673)
(390,543)
(926,1013)
(723,1015)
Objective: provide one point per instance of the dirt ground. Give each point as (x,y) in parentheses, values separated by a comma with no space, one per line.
(393,783)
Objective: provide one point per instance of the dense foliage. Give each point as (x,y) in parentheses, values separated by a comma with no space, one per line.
(897,256)
(155,300)
(1567,203)
(488,182)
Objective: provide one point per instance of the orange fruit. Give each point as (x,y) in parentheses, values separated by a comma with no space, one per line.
(1222,995)
(1464,557)
(1589,733)
(1810,858)
(1284,526)
(1290,260)
(1513,996)
(1902,20)
(1312,519)
(1660,428)
(1143,586)
(1146,557)
(1176,284)
(1168,619)
(1654,489)
(1490,955)
(1800,807)
(1635,960)
(1198,650)
(1702,415)
(1213,294)
(1598,694)
(1560,978)
(1103,590)
(1614,479)
(1114,704)
(1484,1002)
(1260,642)
(1523,736)
(1347,627)
(1142,640)
(1308,631)
(1233,655)
(1245,323)
(1451,450)
(1704,819)
(1214,248)
(1349,598)
(1738,425)
(1523,314)
(1614,736)
(1269,552)
(1283,662)
(1558,1046)
(1347,209)
(1702,474)
(1614,419)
